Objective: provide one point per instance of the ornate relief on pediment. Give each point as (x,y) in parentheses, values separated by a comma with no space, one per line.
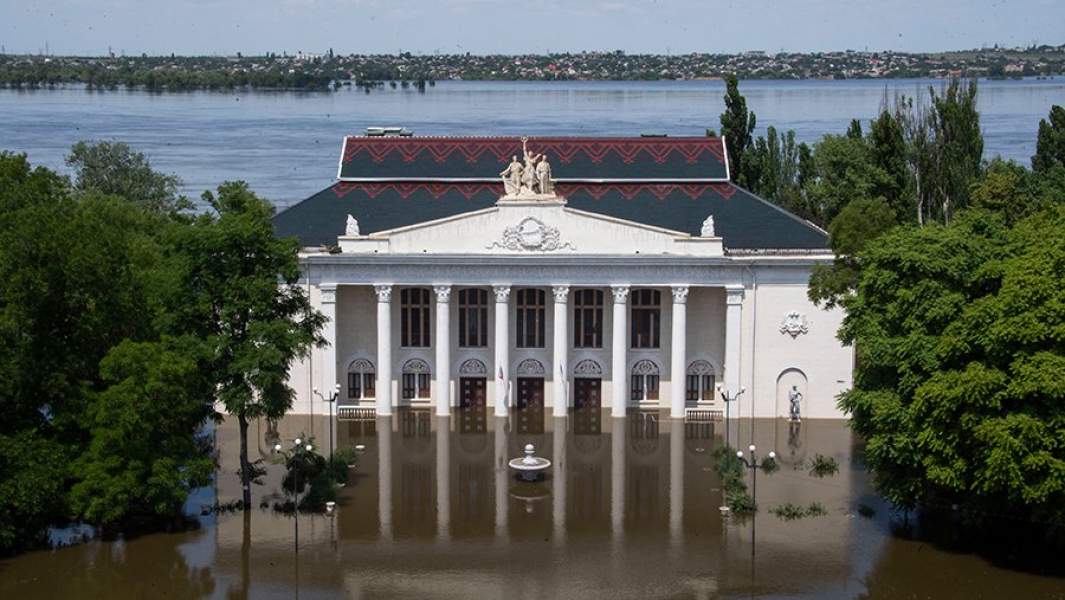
(794,324)
(531,235)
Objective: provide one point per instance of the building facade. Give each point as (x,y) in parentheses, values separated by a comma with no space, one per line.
(616,273)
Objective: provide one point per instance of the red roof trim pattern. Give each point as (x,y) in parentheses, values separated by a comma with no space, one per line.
(562,149)
(661,191)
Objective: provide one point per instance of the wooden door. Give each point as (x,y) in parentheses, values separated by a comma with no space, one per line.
(530,411)
(587,393)
(472,412)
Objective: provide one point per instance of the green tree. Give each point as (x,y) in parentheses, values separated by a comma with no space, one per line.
(959,388)
(737,127)
(113,168)
(842,170)
(235,286)
(858,223)
(1050,144)
(854,130)
(147,450)
(887,150)
(959,146)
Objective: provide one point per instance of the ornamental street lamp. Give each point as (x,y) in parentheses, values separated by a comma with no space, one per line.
(727,399)
(753,465)
(331,400)
(297,456)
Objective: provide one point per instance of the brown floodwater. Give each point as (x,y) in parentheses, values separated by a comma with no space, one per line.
(629,509)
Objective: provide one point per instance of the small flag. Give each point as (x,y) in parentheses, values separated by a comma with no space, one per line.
(501,373)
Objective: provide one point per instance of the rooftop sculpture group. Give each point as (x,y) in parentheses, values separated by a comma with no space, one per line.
(533,178)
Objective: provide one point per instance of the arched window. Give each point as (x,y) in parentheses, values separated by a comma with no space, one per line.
(646,318)
(530,318)
(362,379)
(530,367)
(415,379)
(414,317)
(700,381)
(645,376)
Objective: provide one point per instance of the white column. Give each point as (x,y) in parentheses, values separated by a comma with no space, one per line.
(384,349)
(443,349)
(617,478)
(561,351)
(502,479)
(733,306)
(329,332)
(502,349)
(619,376)
(679,354)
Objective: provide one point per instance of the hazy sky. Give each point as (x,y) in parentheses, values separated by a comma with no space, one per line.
(491,26)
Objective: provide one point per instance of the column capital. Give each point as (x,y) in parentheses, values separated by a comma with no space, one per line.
(734,294)
(680,294)
(502,293)
(329,292)
(443,293)
(621,293)
(384,292)
(561,293)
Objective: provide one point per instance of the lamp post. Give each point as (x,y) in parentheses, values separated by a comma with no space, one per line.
(331,400)
(727,399)
(753,465)
(297,455)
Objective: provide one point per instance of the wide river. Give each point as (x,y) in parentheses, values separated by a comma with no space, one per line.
(629,509)
(286,145)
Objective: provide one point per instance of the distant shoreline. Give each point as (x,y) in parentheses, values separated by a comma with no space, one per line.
(329,72)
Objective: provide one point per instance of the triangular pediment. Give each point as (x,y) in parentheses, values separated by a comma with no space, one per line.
(534,227)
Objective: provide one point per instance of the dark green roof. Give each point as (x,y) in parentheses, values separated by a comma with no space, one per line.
(743,220)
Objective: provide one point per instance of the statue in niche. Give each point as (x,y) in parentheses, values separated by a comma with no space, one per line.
(708,227)
(351,228)
(512,177)
(795,398)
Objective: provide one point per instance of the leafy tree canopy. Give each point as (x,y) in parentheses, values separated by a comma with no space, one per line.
(115,169)
(1050,144)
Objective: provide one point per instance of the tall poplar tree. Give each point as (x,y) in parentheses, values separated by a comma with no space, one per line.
(737,127)
(1050,145)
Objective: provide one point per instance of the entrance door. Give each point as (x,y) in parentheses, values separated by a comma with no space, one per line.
(530,405)
(586,393)
(472,404)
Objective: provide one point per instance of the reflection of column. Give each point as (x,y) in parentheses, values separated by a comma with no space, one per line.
(502,477)
(676,480)
(558,498)
(502,374)
(443,478)
(561,347)
(617,477)
(679,359)
(733,306)
(329,332)
(384,475)
(443,349)
(619,335)
(384,349)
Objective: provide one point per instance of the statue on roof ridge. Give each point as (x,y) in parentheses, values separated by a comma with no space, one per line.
(351,228)
(708,227)
(531,179)
(512,177)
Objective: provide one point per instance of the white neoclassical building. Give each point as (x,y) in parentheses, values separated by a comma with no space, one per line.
(599,272)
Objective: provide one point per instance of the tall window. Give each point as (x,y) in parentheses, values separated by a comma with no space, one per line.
(530,321)
(362,379)
(588,319)
(414,317)
(646,318)
(645,381)
(473,318)
(415,379)
(700,381)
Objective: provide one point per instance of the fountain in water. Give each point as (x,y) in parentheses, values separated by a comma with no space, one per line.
(530,467)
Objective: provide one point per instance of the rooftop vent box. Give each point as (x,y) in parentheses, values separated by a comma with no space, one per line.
(388,132)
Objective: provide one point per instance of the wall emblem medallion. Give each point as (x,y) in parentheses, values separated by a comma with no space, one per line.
(532,235)
(794,324)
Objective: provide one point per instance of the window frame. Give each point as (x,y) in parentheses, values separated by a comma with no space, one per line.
(645,328)
(473,318)
(415,322)
(588,315)
(530,322)
(645,384)
(362,382)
